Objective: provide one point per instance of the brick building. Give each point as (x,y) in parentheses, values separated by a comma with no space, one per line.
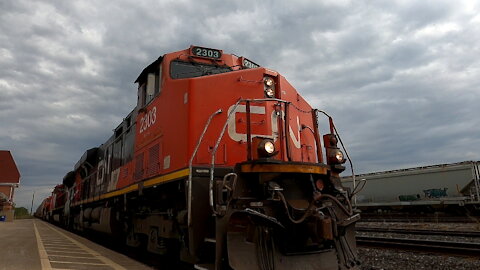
(9,180)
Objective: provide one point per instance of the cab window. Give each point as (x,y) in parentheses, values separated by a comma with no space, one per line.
(182,70)
(150,88)
(141,95)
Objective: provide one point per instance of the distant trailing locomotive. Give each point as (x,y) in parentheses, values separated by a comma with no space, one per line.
(220,164)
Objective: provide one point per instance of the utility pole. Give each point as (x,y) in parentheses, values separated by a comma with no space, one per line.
(31,207)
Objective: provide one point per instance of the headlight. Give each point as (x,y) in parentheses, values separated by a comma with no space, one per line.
(339,156)
(269,87)
(270,92)
(266,148)
(269,147)
(269,81)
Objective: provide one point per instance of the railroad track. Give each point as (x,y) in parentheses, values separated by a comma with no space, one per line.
(420,231)
(458,248)
(429,218)
(415,219)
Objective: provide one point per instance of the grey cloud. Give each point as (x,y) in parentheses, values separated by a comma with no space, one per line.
(399,77)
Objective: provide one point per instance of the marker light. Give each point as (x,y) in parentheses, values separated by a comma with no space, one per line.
(319,184)
(339,156)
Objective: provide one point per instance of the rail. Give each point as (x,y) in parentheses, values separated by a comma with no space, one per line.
(214,151)
(419,218)
(461,248)
(284,132)
(190,165)
(333,130)
(419,231)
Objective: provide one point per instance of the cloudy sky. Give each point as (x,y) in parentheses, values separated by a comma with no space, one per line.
(400,78)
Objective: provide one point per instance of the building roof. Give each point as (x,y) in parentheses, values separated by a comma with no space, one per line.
(8,169)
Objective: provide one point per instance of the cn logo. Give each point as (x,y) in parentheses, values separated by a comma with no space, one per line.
(234,135)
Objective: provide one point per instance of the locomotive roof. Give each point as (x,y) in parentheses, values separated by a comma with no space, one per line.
(69,179)
(8,169)
(89,156)
(149,69)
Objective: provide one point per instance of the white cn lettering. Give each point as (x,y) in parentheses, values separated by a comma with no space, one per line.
(232,123)
(296,141)
(234,135)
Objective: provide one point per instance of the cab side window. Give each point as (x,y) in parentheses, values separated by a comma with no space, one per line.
(150,87)
(158,80)
(141,101)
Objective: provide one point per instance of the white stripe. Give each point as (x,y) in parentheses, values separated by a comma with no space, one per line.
(77,263)
(78,257)
(91,251)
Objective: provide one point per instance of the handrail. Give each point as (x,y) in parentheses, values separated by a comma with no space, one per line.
(287,136)
(287,132)
(214,151)
(316,134)
(190,165)
(333,129)
(215,148)
(249,131)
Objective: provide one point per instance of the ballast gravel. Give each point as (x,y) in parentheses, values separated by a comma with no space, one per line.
(395,259)
(385,259)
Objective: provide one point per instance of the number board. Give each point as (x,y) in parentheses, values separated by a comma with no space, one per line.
(249,64)
(206,52)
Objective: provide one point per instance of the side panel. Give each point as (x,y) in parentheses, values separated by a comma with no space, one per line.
(161,133)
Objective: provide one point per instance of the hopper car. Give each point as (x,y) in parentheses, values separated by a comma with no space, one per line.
(442,186)
(221,164)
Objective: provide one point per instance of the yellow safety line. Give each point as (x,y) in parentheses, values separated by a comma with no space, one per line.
(97,255)
(41,250)
(165,178)
(133,187)
(283,168)
(119,192)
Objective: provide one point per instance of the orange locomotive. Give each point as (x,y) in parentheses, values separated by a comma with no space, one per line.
(220,164)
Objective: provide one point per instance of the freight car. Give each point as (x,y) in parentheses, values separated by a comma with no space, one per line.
(221,164)
(437,186)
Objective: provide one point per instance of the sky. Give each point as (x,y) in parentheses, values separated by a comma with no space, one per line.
(400,78)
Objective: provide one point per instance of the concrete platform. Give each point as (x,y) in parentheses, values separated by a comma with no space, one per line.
(32,244)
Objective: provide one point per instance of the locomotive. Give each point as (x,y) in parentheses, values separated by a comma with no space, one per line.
(221,165)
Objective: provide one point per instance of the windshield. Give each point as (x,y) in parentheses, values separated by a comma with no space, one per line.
(182,70)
